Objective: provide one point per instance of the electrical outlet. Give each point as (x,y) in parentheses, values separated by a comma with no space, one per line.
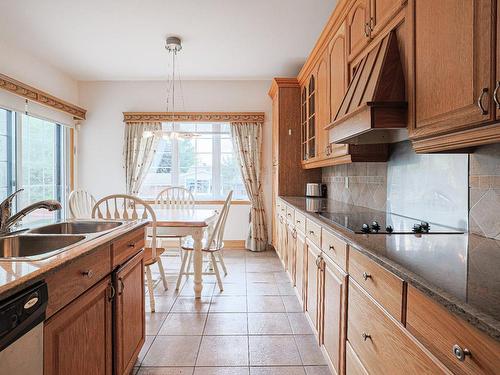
(347,182)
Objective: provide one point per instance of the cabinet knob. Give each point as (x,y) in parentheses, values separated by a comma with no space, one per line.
(366,276)
(366,336)
(88,273)
(460,353)
(132,244)
(311,232)
(495,95)
(367,30)
(484,111)
(332,248)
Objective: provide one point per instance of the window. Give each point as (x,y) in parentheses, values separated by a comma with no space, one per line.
(33,156)
(198,156)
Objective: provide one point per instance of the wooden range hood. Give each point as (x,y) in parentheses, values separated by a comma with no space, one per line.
(374,109)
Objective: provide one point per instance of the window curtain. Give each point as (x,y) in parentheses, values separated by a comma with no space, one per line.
(247,140)
(139,150)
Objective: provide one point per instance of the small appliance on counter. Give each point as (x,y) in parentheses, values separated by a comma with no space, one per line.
(315,190)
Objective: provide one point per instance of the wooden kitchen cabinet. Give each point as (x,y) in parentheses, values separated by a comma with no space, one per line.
(78,339)
(323,106)
(312,273)
(333,305)
(300,246)
(451,84)
(129,324)
(358,28)
(381,343)
(292,251)
(288,178)
(496,92)
(381,12)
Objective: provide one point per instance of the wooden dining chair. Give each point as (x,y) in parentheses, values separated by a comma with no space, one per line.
(174,197)
(127,207)
(212,244)
(80,204)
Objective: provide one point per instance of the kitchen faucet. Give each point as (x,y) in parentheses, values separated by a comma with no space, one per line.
(7,220)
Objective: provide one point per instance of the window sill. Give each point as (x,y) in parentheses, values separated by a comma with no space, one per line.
(213,202)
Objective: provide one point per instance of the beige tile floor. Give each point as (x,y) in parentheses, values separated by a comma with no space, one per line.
(254,327)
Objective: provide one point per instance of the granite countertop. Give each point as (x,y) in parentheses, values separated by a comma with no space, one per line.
(18,274)
(459,271)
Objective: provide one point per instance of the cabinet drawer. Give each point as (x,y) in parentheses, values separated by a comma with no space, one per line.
(382,345)
(127,246)
(74,279)
(353,364)
(440,331)
(300,222)
(334,247)
(313,232)
(385,287)
(290,214)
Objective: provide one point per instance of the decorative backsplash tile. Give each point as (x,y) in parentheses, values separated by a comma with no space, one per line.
(367,185)
(361,184)
(484,191)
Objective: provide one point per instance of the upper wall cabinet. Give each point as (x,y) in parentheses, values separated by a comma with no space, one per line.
(323,104)
(451,74)
(358,28)
(497,78)
(338,70)
(381,12)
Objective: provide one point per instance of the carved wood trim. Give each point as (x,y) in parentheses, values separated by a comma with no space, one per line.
(41,97)
(132,117)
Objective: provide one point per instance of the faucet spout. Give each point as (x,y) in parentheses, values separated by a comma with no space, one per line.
(7,223)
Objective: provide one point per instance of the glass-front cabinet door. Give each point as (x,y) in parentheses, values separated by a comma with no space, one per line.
(303,122)
(311,129)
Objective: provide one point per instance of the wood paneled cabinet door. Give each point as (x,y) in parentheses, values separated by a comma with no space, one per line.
(308,126)
(497,78)
(300,247)
(333,300)
(312,281)
(337,56)
(292,252)
(381,12)
(323,105)
(130,329)
(451,64)
(358,28)
(78,339)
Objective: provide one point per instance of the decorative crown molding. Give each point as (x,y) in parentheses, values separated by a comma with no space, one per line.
(131,117)
(41,97)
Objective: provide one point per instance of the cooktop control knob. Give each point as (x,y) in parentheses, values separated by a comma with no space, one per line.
(425,226)
(375,226)
(417,228)
(389,229)
(365,228)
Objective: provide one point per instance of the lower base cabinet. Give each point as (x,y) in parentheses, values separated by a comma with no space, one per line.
(300,248)
(78,339)
(102,330)
(333,305)
(381,343)
(129,314)
(312,272)
(353,364)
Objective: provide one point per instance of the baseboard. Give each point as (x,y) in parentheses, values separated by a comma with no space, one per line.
(228,244)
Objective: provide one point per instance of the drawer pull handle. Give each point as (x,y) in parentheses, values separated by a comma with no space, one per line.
(366,336)
(460,353)
(298,221)
(131,244)
(332,248)
(289,215)
(311,232)
(483,110)
(366,276)
(88,273)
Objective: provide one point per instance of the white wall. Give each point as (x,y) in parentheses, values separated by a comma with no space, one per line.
(100,163)
(22,66)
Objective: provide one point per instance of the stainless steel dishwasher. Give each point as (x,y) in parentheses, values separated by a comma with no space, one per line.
(21,331)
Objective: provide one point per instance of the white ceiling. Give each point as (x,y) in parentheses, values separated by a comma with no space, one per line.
(124,39)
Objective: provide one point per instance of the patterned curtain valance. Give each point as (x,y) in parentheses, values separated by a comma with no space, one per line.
(138,117)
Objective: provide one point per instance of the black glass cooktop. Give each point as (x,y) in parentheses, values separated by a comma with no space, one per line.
(378,222)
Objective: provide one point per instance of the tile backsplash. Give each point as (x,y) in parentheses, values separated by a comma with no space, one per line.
(484,191)
(432,187)
(361,184)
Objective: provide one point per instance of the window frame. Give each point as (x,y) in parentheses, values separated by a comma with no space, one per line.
(216,133)
(63,159)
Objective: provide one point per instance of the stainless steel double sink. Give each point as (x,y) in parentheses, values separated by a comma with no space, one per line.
(44,242)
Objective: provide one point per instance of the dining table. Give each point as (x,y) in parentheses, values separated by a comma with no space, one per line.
(187,222)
